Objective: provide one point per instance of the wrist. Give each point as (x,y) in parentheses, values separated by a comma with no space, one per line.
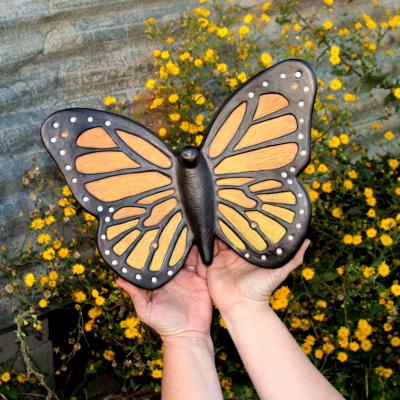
(191,338)
(244,310)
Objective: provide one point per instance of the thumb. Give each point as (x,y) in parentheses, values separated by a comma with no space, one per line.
(297,260)
(138,296)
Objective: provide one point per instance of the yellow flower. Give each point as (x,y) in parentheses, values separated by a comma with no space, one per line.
(156,53)
(353,174)
(266,59)
(233,82)
(162,132)
(100,300)
(5,376)
(158,101)
(348,184)
(344,138)
(199,98)
(89,217)
(43,238)
(388,223)
(371,213)
(342,356)
(37,224)
(396,93)
(280,298)
(150,84)
(383,372)
(334,59)
(328,348)
(174,117)
(357,239)
(327,24)
(53,275)
(340,270)
(387,326)
(69,211)
(94,312)
(89,325)
(371,232)
(79,296)
(310,169)
(395,341)
(366,345)
(78,269)
(265,17)
(368,271)
(110,100)
(334,142)
(354,346)
(327,187)
(157,373)
(21,378)
(335,84)
(349,97)
(247,18)
(43,303)
(395,289)
(329,2)
(318,353)
(323,168)
(383,269)
(221,68)
(337,212)
(198,139)
(348,239)
(222,32)
(393,164)
(109,355)
(165,54)
(243,30)
(386,240)
(172,68)
(203,22)
(29,279)
(184,56)
(389,135)
(308,273)
(49,220)
(368,192)
(94,293)
(49,254)
(198,62)
(242,77)
(63,252)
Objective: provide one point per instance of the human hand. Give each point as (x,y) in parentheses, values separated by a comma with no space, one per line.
(233,282)
(182,307)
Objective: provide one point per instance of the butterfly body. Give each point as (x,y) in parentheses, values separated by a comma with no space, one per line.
(241,185)
(197,191)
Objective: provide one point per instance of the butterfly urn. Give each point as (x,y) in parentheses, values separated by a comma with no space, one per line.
(241,185)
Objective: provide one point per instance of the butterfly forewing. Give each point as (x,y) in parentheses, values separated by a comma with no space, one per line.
(123,174)
(257,145)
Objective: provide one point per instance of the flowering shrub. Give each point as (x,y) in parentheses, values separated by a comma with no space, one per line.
(342,304)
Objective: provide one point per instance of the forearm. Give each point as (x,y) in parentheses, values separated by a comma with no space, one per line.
(274,361)
(189,369)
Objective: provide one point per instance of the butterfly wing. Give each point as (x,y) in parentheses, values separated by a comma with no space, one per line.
(257,145)
(126,176)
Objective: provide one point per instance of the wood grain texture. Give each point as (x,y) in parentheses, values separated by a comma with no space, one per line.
(104,161)
(160,211)
(164,242)
(126,212)
(233,181)
(154,197)
(270,103)
(269,227)
(179,249)
(96,138)
(243,226)
(281,197)
(121,246)
(140,253)
(268,130)
(280,212)
(121,186)
(145,149)
(115,230)
(238,197)
(263,159)
(227,131)
(231,236)
(265,185)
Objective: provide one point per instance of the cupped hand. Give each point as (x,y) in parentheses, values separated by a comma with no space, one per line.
(182,307)
(233,281)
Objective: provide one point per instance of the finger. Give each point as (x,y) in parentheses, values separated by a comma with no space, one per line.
(297,260)
(221,245)
(191,259)
(138,296)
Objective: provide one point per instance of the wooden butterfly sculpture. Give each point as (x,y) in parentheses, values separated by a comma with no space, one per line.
(240,185)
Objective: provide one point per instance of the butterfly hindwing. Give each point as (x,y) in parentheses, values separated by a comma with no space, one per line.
(123,174)
(257,145)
